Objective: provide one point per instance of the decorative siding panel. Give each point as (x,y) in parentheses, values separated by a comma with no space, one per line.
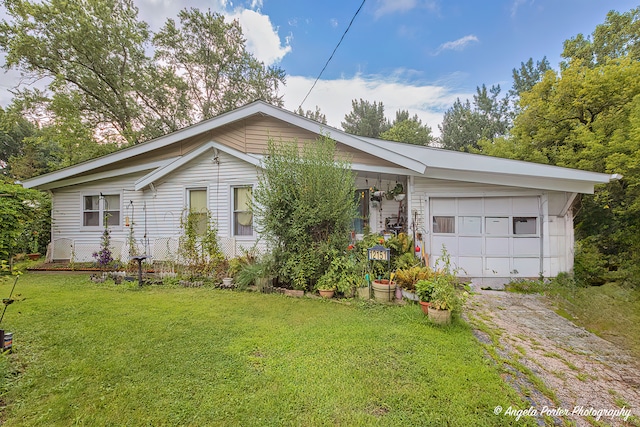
(233,135)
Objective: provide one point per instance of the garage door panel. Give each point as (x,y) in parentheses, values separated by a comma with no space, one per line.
(526,267)
(470,246)
(499,205)
(526,246)
(472,205)
(525,205)
(498,267)
(450,242)
(497,246)
(443,206)
(471,266)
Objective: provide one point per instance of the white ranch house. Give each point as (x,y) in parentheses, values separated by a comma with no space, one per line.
(498,218)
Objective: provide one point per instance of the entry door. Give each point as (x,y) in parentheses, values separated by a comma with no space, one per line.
(487,236)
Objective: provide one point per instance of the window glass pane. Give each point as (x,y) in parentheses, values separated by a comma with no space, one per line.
(91,219)
(444,224)
(242,216)
(470,225)
(91,203)
(525,225)
(198,200)
(112,203)
(112,217)
(496,225)
(362,214)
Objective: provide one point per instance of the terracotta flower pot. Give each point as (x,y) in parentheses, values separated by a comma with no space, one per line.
(326,294)
(425,307)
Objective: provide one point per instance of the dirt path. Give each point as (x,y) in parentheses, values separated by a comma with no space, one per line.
(577,368)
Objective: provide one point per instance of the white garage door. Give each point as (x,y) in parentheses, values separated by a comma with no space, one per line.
(487,236)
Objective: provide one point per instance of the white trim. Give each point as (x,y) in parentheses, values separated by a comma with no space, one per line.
(232,218)
(101,210)
(100,175)
(568,205)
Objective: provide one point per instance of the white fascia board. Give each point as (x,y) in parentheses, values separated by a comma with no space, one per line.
(100,175)
(384,170)
(447,159)
(181,161)
(521,181)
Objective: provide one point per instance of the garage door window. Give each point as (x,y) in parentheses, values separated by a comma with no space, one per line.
(470,225)
(444,224)
(525,225)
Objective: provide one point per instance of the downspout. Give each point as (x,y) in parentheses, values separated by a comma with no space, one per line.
(541,213)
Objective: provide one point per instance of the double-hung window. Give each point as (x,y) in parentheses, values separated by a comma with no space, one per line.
(242,215)
(198,209)
(100,210)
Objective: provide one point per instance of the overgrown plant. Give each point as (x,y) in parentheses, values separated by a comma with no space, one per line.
(104,256)
(304,206)
(199,250)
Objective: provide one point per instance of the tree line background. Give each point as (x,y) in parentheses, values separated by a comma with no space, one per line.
(110,82)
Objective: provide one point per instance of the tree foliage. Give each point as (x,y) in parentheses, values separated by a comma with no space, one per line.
(464,124)
(366,119)
(316,115)
(25,217)
(409,130)
(93,54)
(304,206)
(617,37)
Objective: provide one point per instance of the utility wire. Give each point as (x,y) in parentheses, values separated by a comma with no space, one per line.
(332,53)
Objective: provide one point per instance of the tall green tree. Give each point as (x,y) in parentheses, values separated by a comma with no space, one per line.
(304,207)
(211,58)
(527,76)
(617,37)
(316,114)
(92,51)
(94,55)
(366,119)
(409,130)
(464,124)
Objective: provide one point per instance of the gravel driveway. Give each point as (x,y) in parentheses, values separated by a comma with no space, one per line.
(585,372)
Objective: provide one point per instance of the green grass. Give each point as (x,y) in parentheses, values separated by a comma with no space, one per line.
(88,354)
(610,311)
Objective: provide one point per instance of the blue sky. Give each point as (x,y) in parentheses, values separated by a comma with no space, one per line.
(418,55)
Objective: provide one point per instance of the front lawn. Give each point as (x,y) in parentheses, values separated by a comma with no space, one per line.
(104,354)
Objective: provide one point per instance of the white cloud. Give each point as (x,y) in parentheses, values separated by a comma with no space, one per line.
(516,5)
(333,22)
(263,40)
(334,97)
(256,4)
(386,7)
(459,44)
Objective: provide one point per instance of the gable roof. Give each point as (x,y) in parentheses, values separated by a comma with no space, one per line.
(410,159)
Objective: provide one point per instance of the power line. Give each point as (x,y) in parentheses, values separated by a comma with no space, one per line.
(332,53)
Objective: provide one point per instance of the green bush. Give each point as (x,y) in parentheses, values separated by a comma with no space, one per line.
(589,266)
(304,207)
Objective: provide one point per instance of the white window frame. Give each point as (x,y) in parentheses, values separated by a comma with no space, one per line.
(232,230)
(101,210)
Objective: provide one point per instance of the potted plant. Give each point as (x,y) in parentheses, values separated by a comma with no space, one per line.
(326,285)
(384,289)
(407,278)
(444,300)
(424,292)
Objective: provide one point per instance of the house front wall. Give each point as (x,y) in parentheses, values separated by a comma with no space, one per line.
(153,213)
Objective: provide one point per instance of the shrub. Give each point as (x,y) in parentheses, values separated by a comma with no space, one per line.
(304,207)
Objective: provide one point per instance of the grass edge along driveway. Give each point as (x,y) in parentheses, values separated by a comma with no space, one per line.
(104,354)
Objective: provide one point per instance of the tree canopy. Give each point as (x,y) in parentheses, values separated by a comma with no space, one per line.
(408,130)
(366,119)
(93,55)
